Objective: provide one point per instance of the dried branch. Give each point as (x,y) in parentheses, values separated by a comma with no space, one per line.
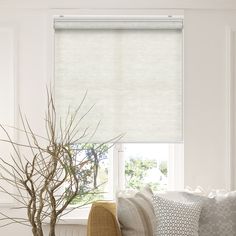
(40,167)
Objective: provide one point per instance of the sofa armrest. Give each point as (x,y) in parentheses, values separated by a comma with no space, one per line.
(102,220)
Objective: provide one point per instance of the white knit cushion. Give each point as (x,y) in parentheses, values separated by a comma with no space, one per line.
(136,214)
(176,218)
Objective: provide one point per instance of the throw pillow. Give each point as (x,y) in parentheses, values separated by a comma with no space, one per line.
(218,214)
(197,191)
(145,193)
(176,218)
(172,195)
(136,214)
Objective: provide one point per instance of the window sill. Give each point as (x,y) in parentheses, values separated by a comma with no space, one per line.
(76,217)
(73,221)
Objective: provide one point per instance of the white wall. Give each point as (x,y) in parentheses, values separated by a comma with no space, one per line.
(207,118)
(122,4)
(206,98)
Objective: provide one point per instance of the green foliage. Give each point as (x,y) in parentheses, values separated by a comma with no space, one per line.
(95,153)
(98,153)
(87,198)
(135,171)
(163,168)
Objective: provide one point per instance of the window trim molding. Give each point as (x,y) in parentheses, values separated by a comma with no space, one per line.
(176,167)
(230,34)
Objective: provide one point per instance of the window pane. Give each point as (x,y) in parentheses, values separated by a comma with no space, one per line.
(94,184)
(146,164)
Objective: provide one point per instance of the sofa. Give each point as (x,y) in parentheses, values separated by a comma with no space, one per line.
(169,214)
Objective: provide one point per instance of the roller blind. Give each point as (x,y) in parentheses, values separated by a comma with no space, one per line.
(132,72)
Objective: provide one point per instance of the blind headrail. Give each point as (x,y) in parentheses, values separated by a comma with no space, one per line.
(118,22)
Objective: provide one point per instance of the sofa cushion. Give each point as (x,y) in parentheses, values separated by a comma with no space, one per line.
(176,218)
(136,214)
(218,213)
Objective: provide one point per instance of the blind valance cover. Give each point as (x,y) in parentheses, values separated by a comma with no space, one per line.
(133,75)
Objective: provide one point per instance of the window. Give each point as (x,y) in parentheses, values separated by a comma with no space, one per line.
(131,69)
(146,164)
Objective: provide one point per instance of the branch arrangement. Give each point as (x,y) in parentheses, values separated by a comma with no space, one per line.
(40,168)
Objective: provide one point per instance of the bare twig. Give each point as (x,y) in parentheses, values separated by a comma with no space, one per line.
(40,173)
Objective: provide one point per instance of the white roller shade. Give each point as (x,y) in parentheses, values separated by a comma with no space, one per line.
(133,75)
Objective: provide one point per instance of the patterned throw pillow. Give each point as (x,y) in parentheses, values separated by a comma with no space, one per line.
(176,218)
(218,216)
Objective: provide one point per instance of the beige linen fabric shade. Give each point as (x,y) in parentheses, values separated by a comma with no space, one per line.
(132,71)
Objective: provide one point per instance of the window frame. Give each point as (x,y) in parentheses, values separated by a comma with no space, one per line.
(175,174)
